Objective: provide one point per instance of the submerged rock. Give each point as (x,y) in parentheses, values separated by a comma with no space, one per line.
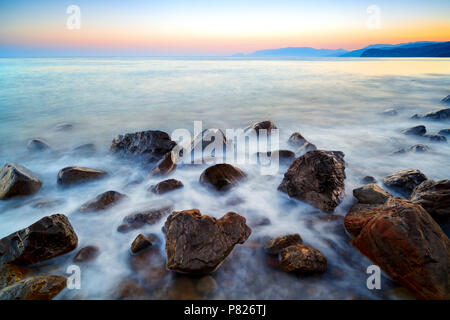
(390,112)
(317,178)
(75,175)
(299,258)
(263,125)
(129,290)
(434,197)
(436,137)
(86,254)
(440,114)
(444,132)
(64,126)
(275,245)
(297,140)
(142,242)
(38,145)
(371,194)
(10,273)
(403,239)
(419,148)
(206,286)
(404,181)
(198,244)
(368,179)
(139,219)
(166,186)
(446,99)
(85,149)
(307,146)
(47,238)
(16,180)
(34,288)
(416,131)
(222,176)
(166,165)
(103,201)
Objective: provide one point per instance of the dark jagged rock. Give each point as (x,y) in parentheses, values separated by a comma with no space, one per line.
(317,178)
(10,273)
(371,194)
(34,288)
(139,219)
(416,131)
(419,148)
(222,176)
(440,114)
(86,254)
(142,242)
(297,140)
(38,145)
(434,197)
(368,179)
(16,180)
(263,125)
(275,245)
(166,165)
(444,132)
(404,181)
(198,244)
(446,99)
(103,201)
(47,238)
(166,186)
(390,112)
(403,239)
(299,258)
(436,137)
(76,175)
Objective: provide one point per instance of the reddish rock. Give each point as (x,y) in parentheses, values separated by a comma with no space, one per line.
(166,165)
(129,290)
(142,242)
(299,258)
(166,186)
(317,178)
(139,219)
(434,197)
(404,181)
(16,180)
(222,176)
(263,125)
(10,273)
(76,175)
(34,288)
(86,254)
(275,245)
(371,194)
(198,244)
(103,201)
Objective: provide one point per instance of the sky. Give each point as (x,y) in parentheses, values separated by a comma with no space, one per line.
(213,28)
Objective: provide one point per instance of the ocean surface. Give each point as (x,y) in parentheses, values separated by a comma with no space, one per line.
(335,103)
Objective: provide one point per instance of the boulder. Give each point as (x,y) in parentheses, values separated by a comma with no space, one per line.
(86,254)
(34,288)
(371,194)
(416,131)
(297,140)
(436,137)
(222,176)
(10,273)
(263,125)
(75,175)
(302,259)
(434,197)
(47,238)
(440,114)
(140,219)
(16,180)
(390,112)
(307,146)
(38,145)
(142,242)
(166,186)
(198,244)
(444,132)
(166,165)
(208,136)
(404,181)
(275,245)
(446,99)
(103,201)
(317,178)
(368,179)
(403,239)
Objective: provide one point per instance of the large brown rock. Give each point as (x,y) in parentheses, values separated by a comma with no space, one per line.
(299,258)
(47,238)
(16,180)
(371,194)
(198,244)
(275,245)
(267,125)
(103,201)
(166,186)
(142,218)
(75,175)
(403,239)
(404,181)
(434,197)
(34,288)
(142,242)
(10,273)
(317,178)
(222,176)
(166,165)
(86,254)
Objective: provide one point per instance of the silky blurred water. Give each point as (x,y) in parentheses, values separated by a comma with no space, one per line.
(334,103)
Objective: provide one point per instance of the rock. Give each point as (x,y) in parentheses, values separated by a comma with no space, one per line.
(390,112)
(317,178)
(103,201)
(75,175)
(208,136)
(139,219)
(368,179)
(45,203)
(307,146)
(275,245)
(436,137)
(142,242)
(441,114)
(403,239)
(86,254)
(150,145)
(371,194)
(446,99)
(34,288)
(434,197)
(222,176)
(297,140)
(129,290)
(399,151)
(47,238)
(166,186)
(263,125)
(10,273)
(444,132)
(206,286)
(416,131)
(198,244)
(299,258)
(38,145)
(85,149)
(16,180)
(284,156)
(419,148)
(404,181)
(166,165)
(63,126)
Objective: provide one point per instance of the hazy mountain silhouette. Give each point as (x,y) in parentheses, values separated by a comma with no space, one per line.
(297,52)
(432,50)
(359,52)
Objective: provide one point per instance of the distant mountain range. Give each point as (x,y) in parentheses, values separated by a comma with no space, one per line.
(410,49)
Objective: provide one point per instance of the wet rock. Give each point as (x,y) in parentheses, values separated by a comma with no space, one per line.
(444,132)
(142,242)
(297,140)
(371,194)
(198,244)
(10,273)
(222,176)
(419,148)
(317,178)
(149,265)
(16,180)
(47,238)
(139,219)
(149,145)
(263,125)
(404,181)
(206,286)
(85,149)
(416,131)
(307,146)
(64,126)
(275,245)
(86,254)
(403,239)
(75,175)
(440,114)
(38,145)
(44,203)
(34,288)
(434,197)
(103,201)
(436,137)
(390,112)
(166,186)
(399,151)
(299,258)
(207,137)
(446,99)
(129,290)
(166,165)
(368,179)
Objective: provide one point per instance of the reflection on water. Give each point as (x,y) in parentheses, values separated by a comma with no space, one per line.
(334,103)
